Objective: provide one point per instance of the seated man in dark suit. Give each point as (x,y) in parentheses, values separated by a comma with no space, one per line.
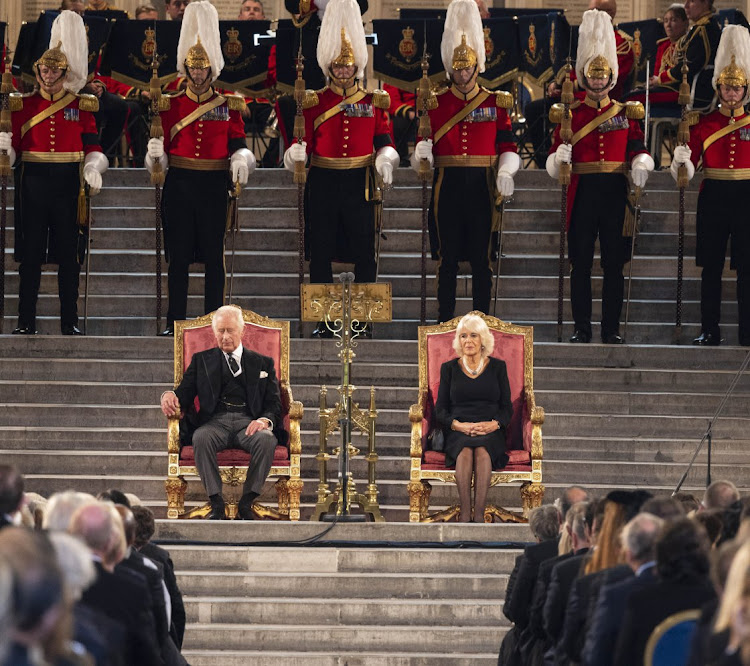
(240,406)
(638,543)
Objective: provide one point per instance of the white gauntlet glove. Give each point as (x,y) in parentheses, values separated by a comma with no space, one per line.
(6,145)
(507,166)
(241,165)
(641,166)
(297,152)
(563,155)
(94,166)
(422,151)
(386,161)
(155,153)
(682,156)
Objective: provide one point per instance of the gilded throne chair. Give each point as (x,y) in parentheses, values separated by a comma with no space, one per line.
(514,345)
(267,337)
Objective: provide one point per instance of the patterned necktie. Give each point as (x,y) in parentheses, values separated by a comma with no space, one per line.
(233,364)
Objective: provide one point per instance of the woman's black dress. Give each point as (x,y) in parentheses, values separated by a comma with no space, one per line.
(484,398)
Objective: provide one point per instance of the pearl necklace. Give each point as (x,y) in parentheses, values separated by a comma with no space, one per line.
(473,373)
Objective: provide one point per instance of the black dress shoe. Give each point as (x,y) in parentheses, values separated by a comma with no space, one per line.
(322,332)
(708,340)
(24,330)
(168,332)
(580,336)
(245,507)
(70,329)
(217,509)
(613,339)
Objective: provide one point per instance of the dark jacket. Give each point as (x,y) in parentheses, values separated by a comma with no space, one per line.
(160,555)
(518,600)
(561,581)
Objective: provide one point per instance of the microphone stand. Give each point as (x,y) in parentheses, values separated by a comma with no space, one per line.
(708,435)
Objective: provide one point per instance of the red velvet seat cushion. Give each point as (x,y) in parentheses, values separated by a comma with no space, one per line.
(519,461)
(234,457)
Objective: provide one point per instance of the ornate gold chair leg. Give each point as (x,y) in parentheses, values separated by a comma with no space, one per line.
(532,495)
(176,488)
(425,499)
(503,515)
(294,487)
(282,495)
(416,501)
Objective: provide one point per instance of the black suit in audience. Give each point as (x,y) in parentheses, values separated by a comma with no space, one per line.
(561,581)
(152,577)
(161,556)
(103,638)
(518,604)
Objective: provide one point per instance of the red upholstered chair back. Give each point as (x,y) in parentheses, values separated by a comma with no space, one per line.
(260,335)
(511,346)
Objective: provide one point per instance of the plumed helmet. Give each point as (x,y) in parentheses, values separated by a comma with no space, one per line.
(463,38)
(342,37)
(68,50)
(597,51)
(200,42)
(732,63)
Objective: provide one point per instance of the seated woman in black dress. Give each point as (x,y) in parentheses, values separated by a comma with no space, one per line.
(474,408)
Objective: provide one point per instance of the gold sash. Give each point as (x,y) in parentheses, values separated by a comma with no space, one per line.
(197,113)
(450,124)
(43,115)
(338,108)
(718,134)
(590,126)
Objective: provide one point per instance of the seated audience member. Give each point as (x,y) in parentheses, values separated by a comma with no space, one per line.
(682,567)
(11,494)
(689,502)
(713,524)
(240,406)
(720,495)
(604,565)
(707,647)
(125,602)
(474,409)
(176,9)
(61,507)
(36,505)
(666,508)
(144,519)
(146,13)
(115,496)
(638,541)
(40,615)
(570,496)
(544,524)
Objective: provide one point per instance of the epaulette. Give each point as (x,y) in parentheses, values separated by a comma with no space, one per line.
(381,99)
(15,101)
(88,103)
(693,118)
(663,39)
(171,94)
(310,99)
(634,111)
(236,102)
(503,99)
(557,112)
(442,90)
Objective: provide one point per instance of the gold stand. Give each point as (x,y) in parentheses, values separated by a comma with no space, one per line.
(346,309)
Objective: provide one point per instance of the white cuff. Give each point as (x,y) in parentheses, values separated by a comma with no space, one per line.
(553,168)
(643,160)
(289,162)
(97,161)
(246,155)
(508,163)
(389,154)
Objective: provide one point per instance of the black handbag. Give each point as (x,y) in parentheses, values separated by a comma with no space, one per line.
(436,438)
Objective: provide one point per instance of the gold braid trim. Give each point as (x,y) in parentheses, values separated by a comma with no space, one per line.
(381,99)
(634,111)
(310,99)
(88,103)
(15,101)
(236,103)
(503,99)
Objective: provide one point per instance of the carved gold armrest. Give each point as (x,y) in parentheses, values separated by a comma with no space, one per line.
(416,416)
(296,410)
(173,434)
(536,414)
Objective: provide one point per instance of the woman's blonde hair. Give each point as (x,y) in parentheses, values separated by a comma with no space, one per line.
(473,323)
(737,587)
(607,551)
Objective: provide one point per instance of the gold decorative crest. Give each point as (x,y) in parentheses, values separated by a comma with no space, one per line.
(489,45)
(233,47)
(148,47)
(407,47)
(531,55)
(637,46)
(532,40)
(552,40)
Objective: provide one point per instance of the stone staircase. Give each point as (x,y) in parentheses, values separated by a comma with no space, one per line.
(83,413)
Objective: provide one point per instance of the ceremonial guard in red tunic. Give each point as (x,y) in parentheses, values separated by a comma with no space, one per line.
(54,139)
(347,133)
(720,140)
(475,159)
(607,139)
(205,149)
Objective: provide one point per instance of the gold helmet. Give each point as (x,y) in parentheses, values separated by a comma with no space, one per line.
(597,49)
(732,75)
(463,55)
(732,62)
(197,57)
(345,58)
(598,68)
(54,58)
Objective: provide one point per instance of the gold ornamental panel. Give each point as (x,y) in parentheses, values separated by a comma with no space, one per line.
(370,301)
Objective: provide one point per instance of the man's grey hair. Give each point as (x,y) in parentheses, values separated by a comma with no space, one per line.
(720,495)
(62,506)
(544,522)
(257,2)
(640,535)
(578,524)
(228,311)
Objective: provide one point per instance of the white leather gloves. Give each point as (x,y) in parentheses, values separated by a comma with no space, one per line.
(155,153)
(422,151)
(386,160)
(6,145)
(297,152)
(682,156)
(94,166)
(641,166)
(563,155)
(507,166)
(241,165)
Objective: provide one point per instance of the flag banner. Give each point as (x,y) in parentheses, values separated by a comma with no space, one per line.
(245,64)
(644,36)
(502,51)
(397,59)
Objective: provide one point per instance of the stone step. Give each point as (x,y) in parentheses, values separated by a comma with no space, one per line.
(340,658)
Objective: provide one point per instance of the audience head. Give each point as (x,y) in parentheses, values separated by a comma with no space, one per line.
(76,6)
(228,324)
(580,530)
(251,10)
(61,507)
(74,560)
(720,495)
(676,22)
(128,523)
(115,496)
(472,323)
(682,552)
(100,527)
(144,526)
(609,6)
(146,13)
(667,508)
(697,8)
(544,522)
(37,506)
(737,589)
(638,539)
(689,501)
(176,8)
(721,561)
(11,490)
(570,496)
(484,13)
(713,524)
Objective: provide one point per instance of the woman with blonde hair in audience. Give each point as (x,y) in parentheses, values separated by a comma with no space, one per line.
(734,610)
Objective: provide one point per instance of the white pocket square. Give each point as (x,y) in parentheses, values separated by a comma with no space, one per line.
(263,374)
